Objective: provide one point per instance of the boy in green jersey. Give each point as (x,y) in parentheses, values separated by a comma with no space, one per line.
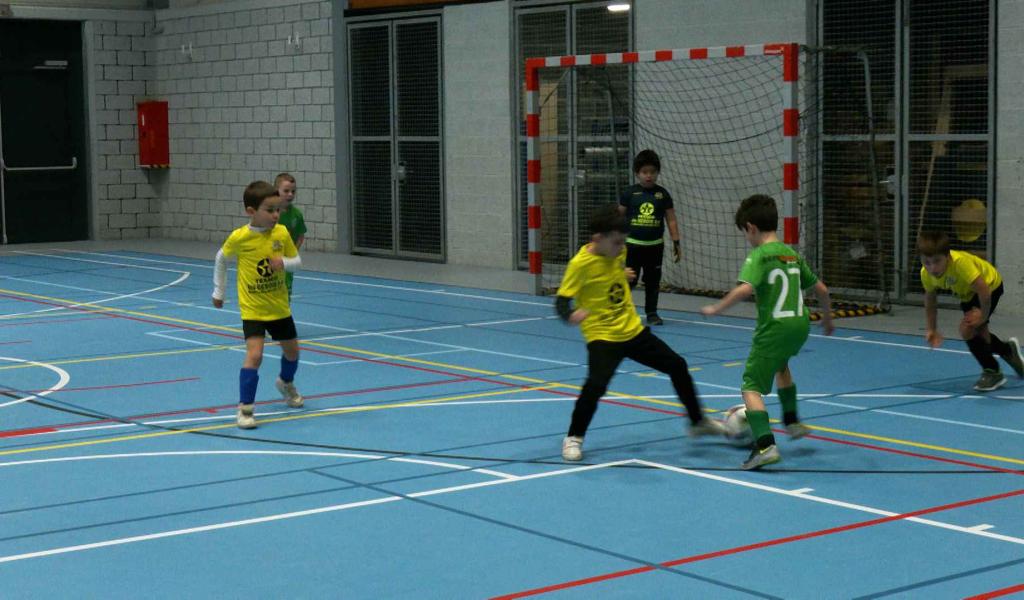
(777,276)
(291,216)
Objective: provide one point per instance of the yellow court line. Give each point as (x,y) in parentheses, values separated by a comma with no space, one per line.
(294,417)
(74,361)
(901,442)
(541,382)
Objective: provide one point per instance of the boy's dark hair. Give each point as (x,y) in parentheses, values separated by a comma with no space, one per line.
(607,219)
(646,158)
(256,192)
(932,243)
(283,177)
(758,210)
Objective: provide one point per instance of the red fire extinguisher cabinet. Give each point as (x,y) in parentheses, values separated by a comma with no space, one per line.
(154,143)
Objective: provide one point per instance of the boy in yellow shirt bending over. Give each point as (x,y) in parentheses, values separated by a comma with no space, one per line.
(979,286)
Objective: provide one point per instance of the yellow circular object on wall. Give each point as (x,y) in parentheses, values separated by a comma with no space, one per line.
(970,220)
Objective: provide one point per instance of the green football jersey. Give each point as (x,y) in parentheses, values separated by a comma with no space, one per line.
(779,276)
(293,221)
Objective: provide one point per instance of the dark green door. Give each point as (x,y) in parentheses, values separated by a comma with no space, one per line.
(42,127)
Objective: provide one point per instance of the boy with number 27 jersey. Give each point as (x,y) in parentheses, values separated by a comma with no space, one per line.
(777,276)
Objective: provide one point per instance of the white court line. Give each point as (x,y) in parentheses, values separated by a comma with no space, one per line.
(511,479)
(482,351)
(267,354)
(829,501)
(360,456)
(183,276)
(297,514)
(920,417)
(164,334)
(62,379)
(81,304)
(855,338)
(337,281)
(337,409)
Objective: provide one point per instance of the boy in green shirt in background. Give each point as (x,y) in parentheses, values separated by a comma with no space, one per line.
(291,216)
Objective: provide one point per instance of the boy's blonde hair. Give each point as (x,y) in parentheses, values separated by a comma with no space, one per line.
(932,243)
(283,177)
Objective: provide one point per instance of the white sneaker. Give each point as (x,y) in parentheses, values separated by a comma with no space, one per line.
(246,418)
(291,395)
(572,448)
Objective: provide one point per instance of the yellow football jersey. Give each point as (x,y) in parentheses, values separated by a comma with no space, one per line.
(598,285)
(262,294)
(962,270)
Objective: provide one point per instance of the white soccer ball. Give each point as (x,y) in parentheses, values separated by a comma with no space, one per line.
(737,431)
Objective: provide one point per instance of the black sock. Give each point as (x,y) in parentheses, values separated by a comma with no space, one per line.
(982,352)
(1000,347)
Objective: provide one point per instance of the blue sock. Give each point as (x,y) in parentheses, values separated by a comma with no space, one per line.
(248,379)
(288,368)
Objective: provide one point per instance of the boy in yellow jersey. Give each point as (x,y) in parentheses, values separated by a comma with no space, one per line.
(598,281)
(265,252)
(777,276)
(979,286)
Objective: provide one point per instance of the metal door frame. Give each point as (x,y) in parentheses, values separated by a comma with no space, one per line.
(905,272)
(902,272)
(571,136)
(394,139)
(4,167)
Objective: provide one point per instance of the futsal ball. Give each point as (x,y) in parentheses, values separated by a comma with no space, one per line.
(736,429)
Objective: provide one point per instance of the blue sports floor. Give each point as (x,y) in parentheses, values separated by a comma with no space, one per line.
(426,463)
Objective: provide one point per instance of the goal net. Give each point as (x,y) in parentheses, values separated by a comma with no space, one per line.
(723,120)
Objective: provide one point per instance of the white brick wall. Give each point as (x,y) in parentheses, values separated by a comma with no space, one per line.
(699,23)
(120,72)
(244,105)
(478,135)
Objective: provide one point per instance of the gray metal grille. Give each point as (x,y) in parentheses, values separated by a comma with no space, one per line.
(948,125)
(857,229)
(395,88)
(418,170)
(931,95)
(370,106)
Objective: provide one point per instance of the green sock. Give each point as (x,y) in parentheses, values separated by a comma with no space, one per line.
(758,421)
(787,396)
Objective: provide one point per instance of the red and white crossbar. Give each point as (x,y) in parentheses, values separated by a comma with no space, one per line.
(790,121)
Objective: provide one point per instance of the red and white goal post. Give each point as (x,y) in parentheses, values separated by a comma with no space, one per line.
(781,68)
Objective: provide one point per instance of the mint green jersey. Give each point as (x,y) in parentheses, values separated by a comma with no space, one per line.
(779,276)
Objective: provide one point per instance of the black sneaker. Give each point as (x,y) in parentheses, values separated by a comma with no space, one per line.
(990,380)
(654,319)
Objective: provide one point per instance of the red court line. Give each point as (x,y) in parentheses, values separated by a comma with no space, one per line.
(119,385)
(757,546)
(215,409)
(48,322)
(20,432)
(998,593)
